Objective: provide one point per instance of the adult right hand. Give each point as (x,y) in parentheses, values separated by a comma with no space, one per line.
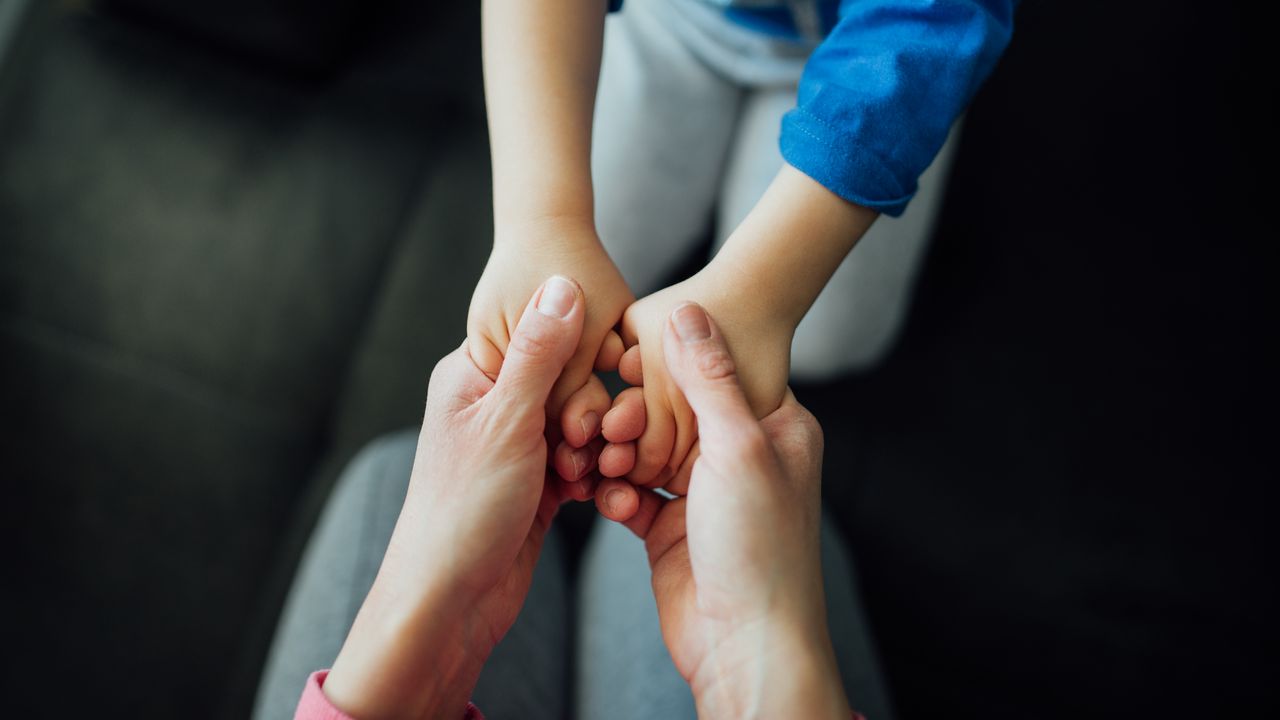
(736,567)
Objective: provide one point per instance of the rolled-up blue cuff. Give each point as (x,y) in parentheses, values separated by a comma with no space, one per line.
(843,165)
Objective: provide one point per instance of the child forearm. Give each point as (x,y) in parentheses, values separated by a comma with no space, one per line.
(787,248)
(541,66)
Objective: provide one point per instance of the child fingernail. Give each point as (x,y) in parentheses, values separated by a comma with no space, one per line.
(590,424)
(557,297)
(613,499)
(691,323)
(581,463)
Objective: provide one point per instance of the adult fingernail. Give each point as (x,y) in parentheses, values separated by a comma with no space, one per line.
(691,323)
(590,424)
(557,297)
(613,499)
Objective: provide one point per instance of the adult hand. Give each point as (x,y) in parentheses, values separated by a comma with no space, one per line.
(479,502)
(736,568)
(652,436)
(522,257)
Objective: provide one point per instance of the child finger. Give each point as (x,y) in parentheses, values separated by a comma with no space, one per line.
(572,464)
(653,448)
(617,500)
(629,367)
(679,483)
(485,354)
(610,354)
(625,421)
(686,437)
(567,491)
(617,459)
(580,419)
(572,378)
(584,489)
(623,502)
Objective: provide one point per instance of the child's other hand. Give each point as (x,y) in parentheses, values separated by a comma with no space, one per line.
(518,266)
(651,430)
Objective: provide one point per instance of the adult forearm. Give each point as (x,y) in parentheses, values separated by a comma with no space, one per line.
(779,672)
(414,650)
(541,66)
(787,248)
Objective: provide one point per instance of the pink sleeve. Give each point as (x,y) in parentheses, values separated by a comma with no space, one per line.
(314,705)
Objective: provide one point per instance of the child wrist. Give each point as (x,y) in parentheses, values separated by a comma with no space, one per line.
(751,299)
(567,224)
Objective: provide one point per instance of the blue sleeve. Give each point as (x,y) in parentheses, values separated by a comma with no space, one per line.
(880,93)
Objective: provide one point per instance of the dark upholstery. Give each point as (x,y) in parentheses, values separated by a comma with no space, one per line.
(192,255)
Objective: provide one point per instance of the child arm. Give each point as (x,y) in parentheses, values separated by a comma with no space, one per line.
(874,106)
(541,65)
(760,284)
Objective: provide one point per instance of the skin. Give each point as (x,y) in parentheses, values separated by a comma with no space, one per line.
(668,436)
(736,568)
(759,286)
(542,64)
(480,486)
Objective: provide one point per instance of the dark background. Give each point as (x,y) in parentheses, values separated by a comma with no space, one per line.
(235,236)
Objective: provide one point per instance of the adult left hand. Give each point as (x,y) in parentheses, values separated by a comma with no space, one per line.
(737,573)
(479,503)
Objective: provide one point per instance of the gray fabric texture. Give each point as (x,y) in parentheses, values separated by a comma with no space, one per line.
(10,19)
(624,671)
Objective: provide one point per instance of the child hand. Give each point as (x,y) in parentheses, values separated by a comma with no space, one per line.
(516,268)
(651,430)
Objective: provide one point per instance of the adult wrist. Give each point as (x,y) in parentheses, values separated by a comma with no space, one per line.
(413,647)
(736,296)
(775,670)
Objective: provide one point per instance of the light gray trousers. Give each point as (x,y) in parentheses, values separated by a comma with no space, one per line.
(686,134)
(623,670)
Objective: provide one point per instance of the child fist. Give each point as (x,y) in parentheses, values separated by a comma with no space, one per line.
(516,268)
(651,430)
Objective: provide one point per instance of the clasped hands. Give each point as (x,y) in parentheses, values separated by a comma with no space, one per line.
(648,434)
(736,569)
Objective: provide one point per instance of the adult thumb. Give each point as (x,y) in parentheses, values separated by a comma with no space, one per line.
(699,361)
(544,340)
